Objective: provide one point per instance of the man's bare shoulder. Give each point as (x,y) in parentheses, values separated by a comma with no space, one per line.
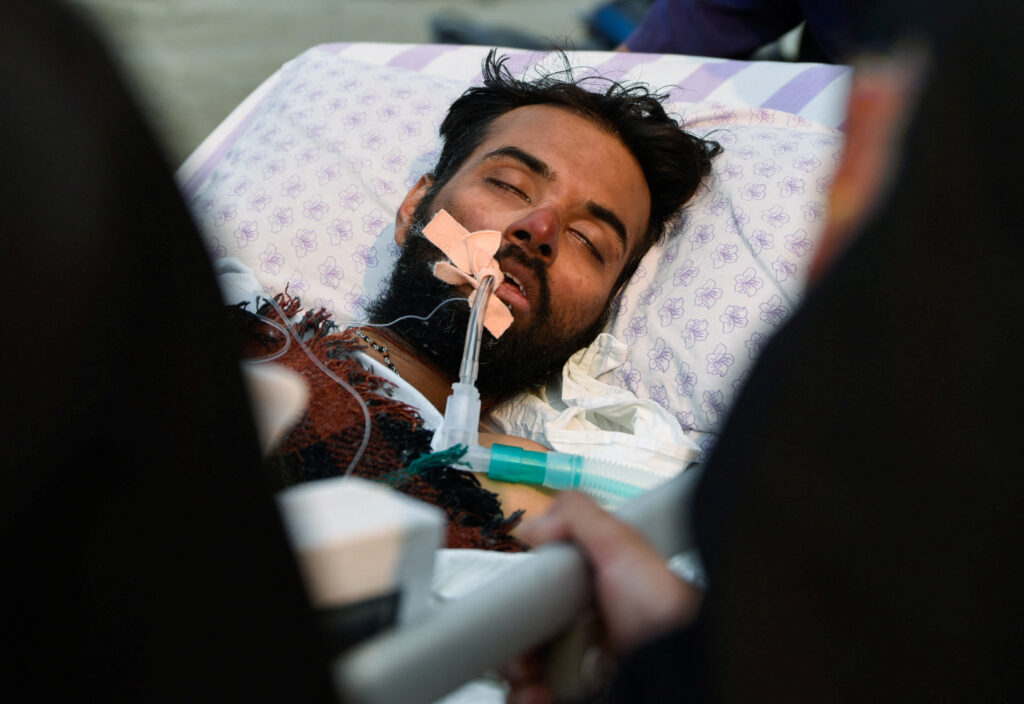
(533,500)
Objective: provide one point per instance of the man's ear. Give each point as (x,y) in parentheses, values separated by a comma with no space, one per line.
(405,211)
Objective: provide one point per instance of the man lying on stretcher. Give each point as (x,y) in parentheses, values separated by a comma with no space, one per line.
(576,187)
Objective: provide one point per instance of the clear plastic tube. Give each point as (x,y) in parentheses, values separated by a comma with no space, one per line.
(278,353)
(474,333)
(606,481)
(288,330)
(462,412)
(609,482)
(368,324)
(338,380)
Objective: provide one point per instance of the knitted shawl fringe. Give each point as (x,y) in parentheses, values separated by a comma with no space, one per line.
(324,441)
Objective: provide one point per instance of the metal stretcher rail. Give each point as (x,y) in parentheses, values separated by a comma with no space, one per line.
(492,625)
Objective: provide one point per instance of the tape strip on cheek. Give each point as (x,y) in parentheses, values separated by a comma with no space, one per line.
(472,257)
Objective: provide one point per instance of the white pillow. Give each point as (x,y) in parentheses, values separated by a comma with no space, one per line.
(306,186)
(307,192)
(701,306)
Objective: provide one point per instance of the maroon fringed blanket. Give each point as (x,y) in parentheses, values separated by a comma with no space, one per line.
(324,441)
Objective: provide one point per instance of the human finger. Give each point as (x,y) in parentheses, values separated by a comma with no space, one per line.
(637,594)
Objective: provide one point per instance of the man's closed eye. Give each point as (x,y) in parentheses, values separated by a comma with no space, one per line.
(497,183)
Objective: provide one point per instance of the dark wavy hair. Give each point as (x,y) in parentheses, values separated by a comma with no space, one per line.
(673,162)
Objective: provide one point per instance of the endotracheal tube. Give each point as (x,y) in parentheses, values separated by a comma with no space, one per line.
(608,482)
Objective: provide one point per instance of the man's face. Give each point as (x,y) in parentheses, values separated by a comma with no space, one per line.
(567,193)
(571,203)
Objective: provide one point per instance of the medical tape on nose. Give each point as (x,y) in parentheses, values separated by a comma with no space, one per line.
(472,258)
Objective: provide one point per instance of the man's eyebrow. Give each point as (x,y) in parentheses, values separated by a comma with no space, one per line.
(525,158)
(602,213)
(543,170)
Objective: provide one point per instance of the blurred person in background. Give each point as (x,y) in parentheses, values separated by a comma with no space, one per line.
(736,29)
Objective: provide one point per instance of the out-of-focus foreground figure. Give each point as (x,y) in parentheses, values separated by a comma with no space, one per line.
(859,519)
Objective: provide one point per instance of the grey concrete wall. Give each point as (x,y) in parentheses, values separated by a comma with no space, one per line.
(192,61)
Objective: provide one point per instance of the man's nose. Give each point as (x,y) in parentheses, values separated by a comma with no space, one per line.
(537,232)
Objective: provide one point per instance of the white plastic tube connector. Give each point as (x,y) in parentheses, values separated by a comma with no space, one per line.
(461,425)
(461,422)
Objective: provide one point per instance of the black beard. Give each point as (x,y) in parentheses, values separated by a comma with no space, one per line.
(525,358)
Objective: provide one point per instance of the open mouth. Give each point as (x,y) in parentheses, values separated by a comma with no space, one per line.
(515,283)
(513,291)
